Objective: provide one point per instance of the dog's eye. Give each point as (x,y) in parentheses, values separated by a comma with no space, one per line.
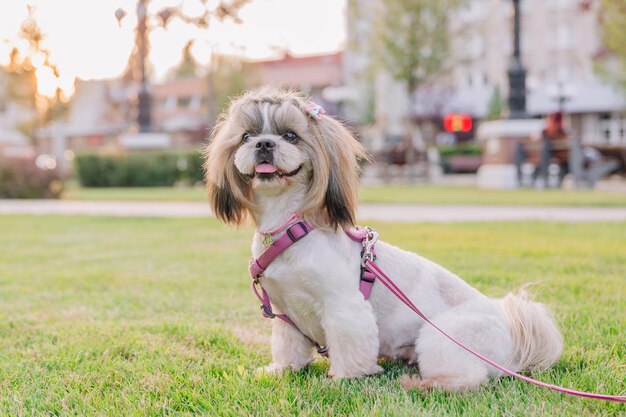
(290,136)
(245,137)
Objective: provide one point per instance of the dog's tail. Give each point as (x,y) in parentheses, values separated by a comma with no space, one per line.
(537,342)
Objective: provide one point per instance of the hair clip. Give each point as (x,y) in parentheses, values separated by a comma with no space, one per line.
(314,110)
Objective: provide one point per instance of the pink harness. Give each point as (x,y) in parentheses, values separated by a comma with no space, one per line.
(296,228)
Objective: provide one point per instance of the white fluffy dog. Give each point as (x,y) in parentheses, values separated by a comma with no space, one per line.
(271,156)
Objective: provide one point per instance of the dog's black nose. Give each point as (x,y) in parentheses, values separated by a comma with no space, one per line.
(265,144)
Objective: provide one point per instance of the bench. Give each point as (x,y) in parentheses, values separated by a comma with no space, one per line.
(586,164)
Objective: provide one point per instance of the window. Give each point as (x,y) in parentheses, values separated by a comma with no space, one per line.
(526,42)
(195,102)
(564,72)
(475,11)
(561,38)
(564,37)
(621,119)
(559,4)
(476,47)
(183,101)
(462,78)
(604,125)
(161,104)
(526,6)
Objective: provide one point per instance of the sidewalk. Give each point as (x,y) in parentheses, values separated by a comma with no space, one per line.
(381,212)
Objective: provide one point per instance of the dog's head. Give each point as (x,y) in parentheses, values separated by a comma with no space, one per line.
(268,142)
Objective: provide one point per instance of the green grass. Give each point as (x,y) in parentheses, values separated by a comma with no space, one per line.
(403,194)
(391,194)
(75,192)
(120,316)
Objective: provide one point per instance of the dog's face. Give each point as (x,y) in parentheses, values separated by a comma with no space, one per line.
(275,144)
(266,143)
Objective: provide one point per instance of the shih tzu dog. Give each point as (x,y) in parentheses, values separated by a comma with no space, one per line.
(274,156)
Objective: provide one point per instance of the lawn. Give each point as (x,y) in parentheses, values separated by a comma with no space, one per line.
(147,316)
(397,194)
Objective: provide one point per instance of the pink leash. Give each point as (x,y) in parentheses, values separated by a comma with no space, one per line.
(296,228)
(391,286)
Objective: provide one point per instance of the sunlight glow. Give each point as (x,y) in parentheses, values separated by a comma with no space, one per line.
(85,40)
(47,82)
(38,60)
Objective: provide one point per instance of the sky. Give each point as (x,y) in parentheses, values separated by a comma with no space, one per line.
(86,41)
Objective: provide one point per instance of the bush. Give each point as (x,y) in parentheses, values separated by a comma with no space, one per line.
(21,178)
(464,149)
(149,169)
(194,171)
(460,158)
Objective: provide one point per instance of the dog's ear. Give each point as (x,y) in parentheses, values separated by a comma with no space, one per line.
(337,202)
(335,171)
(228,191)
(225,205)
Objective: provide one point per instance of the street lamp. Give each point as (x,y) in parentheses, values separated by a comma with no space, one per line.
(144,113)
(561,93)
(517,72)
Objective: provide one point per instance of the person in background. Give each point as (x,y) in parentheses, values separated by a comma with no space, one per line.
(553,148)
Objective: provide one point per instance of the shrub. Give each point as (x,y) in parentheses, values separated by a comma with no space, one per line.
(464,149)
(460,158)
(21,178)
(148,169)
(191,169)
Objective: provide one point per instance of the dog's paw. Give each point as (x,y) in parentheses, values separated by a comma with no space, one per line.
(271,369)
(415,382)
(375,370)
(448,384)
(354,374)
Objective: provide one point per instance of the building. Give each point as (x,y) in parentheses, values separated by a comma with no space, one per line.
(98,114)
(180,108)
(103,110)
(559,44)
(12,115)
(319,76)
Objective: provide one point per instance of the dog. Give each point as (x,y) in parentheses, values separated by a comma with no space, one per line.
(269,156)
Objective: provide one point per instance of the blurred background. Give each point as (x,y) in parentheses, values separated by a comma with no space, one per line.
(491,93)
(498,135)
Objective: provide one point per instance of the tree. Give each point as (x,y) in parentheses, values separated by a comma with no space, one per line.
(188,66)
(228,76)
(138,68)
(413,39)
(22,70)
(412,43)
(496,105)
(614,33)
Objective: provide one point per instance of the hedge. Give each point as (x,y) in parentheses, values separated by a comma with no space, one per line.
(460,158)
(146,169)
(462,149)
(21,178)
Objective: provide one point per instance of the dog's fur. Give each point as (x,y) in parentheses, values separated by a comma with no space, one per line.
(315,281)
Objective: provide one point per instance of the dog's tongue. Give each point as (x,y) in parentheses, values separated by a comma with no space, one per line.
(266,169)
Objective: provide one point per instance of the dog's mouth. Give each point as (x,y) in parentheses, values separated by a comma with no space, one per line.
(268,171)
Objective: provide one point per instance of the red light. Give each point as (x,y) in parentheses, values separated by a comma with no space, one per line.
(448,122)
(466,122)
(453,122)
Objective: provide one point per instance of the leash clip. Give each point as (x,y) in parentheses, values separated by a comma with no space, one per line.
(371,237)
(267,311)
